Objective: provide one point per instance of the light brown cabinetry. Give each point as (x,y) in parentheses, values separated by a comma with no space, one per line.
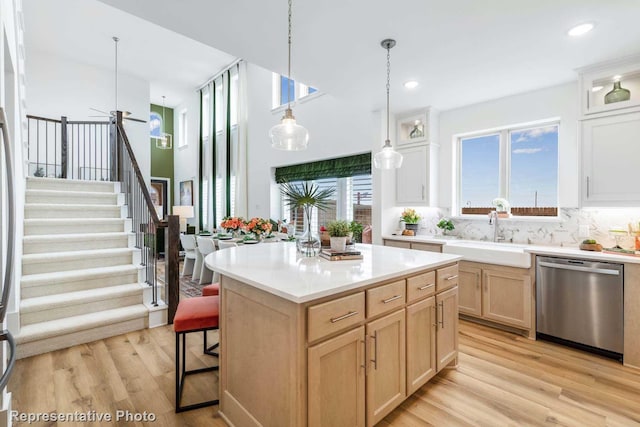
(496,293)
(429,247)
(337,381)
(386,386)
(447,327)
(421,343)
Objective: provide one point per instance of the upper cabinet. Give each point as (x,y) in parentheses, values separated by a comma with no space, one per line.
(610,133)
(417,127)
(610,87)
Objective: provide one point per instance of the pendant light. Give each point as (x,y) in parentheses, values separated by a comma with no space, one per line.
(387,158)
(288,135)
(165,140)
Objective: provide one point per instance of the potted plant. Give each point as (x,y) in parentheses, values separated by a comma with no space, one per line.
(411,219)
(307,195)
(338,232)
(502,207)
(445,225)
(356,229)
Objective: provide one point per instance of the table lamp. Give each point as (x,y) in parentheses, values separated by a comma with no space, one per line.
(183,212)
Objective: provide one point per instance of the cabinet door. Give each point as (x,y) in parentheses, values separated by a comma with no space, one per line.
(447,327)
(611,149)
(421,343)
(507,298)
(336,382)
(397,244)
(386,380)
(470,290)
(411,178)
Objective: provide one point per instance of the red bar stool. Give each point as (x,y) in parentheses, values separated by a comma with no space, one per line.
(194,315)
(210,290)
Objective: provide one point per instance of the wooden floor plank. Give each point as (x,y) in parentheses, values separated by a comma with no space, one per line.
(502,379)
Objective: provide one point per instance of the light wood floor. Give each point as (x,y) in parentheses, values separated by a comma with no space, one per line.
(502,380)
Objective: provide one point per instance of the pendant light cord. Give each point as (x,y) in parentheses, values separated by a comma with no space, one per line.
(289,61)
(388,87)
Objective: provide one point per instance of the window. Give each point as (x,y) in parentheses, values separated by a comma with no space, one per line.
(519,164)
(296,91)
(206,115)
(182,123)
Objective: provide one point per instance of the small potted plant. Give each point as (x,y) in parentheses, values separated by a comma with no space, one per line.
(445,225)
(411,219)
(338,232)
(356,229)
(502,207)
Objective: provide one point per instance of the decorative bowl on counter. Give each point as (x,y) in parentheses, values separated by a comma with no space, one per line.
(596,247)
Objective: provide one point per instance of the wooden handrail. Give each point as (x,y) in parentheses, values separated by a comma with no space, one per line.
(145,192)
(11,221)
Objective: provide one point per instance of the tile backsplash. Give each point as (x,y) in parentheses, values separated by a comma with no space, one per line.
(568,230)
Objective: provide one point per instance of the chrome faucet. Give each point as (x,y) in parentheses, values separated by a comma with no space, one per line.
(493,219)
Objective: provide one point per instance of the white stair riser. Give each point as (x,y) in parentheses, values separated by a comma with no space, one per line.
(73,198)
(80,263)
(70,185)
(63,211)
(81,308)
(30,247)
(63,341)
(73,227)
(148,293)
(77,285)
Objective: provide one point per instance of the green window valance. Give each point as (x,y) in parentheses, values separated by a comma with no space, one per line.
(360,164)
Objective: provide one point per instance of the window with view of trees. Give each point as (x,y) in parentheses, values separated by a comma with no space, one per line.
(519,164)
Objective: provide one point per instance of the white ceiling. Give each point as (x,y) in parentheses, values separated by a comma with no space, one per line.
(461,51)
(81,30)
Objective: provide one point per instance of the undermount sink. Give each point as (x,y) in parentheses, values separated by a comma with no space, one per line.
(490,252)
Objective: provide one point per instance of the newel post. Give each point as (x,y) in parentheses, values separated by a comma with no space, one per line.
(172,264)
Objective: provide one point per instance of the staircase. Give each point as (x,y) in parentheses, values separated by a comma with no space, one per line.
(81,274)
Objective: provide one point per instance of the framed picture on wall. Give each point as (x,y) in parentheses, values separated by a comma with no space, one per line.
(186,193)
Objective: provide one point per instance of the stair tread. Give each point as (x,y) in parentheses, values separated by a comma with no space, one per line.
(74,220)
(79,274)
(87,253)
(71,206)
(66,180)
(81,322)
(69,192)
(72,298)
(74,236)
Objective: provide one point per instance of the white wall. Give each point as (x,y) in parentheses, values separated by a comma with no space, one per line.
(554,102)
(185,160)
(58,86)
(336,128)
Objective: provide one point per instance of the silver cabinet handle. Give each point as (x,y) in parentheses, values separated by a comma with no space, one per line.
(455,276)
(364,349)
(422,288)
(441,321)
(423,192)
(587,187)
(344,316)
(375,350)
(393,298)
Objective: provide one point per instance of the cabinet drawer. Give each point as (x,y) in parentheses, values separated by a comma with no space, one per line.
(447,277)
(397,244)
(332,316)
(385,298)
(429,247)
(422,285)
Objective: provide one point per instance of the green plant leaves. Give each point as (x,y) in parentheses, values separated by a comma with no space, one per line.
(306,194)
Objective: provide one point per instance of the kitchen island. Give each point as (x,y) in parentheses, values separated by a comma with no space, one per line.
(307,341)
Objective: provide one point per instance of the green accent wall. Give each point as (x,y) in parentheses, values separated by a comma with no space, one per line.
(162,160)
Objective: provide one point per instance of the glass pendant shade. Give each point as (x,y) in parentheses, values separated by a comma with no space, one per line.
(387,158)
(288,135)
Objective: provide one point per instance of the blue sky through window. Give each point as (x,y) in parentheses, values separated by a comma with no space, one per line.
(284,81)
(534,167)
(479,170)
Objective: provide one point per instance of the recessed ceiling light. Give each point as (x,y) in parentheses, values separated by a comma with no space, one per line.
(411,84)
(597,88)
(581,29)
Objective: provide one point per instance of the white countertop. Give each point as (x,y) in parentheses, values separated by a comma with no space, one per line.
(278,269)
(561,251)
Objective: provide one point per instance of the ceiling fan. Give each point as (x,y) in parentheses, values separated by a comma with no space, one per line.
(126,115)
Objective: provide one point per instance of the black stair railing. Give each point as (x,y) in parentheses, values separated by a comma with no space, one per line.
(8,261)
(101,151)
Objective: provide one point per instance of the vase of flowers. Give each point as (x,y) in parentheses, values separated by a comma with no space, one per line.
(233,225)
(259,227)
(411,219)
(307,196)
(502,207)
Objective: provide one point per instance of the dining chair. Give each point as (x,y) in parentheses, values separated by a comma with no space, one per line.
(225,244)
(188,242)
(205,246)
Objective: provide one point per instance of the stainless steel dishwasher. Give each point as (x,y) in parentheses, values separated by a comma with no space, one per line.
(580,303)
